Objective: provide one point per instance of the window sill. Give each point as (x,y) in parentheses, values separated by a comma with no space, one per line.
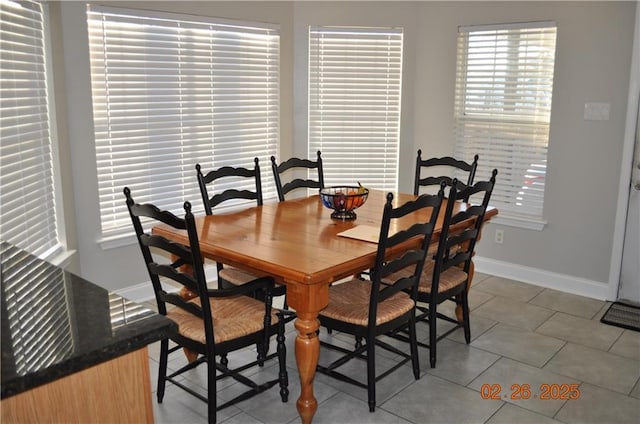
(113,242)
(519,222)
(62,259)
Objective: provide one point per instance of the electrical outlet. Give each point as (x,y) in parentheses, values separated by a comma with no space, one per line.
(499,237)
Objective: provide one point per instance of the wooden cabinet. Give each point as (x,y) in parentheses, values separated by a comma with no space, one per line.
(115,391)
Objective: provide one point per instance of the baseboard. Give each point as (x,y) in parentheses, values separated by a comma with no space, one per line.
(142,292)
(547,279)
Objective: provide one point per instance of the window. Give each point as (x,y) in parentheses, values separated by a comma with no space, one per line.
(170,91)
(26,170)
(355,77)
(504,83)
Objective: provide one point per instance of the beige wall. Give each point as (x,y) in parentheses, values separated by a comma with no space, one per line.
(593,60)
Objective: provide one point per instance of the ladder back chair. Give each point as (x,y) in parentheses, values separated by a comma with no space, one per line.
(289,167)
(447,276)
(213,324)
(368,309)
(229,172)
(436,165)
(227,275)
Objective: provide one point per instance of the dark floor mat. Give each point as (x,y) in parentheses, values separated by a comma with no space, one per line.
(623,315)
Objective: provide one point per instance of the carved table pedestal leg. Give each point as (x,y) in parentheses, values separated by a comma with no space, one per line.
(307,352)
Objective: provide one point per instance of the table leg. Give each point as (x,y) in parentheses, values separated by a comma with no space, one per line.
(307,352)
(308,301)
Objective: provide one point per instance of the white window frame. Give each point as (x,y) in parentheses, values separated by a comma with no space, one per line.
(504,119)
(354,104)
(42,202)
(201,113)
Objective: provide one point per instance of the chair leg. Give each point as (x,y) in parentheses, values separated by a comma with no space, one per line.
(371,372)
(413,345)
(162,369)
(261,354)
(283,376)
(263,348)
(465,317)
(432,334)
(224,361)
(211,386)
(222,283)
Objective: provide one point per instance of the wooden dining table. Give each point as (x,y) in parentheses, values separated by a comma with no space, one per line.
(297,243)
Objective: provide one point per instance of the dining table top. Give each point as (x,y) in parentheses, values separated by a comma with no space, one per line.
(297,241)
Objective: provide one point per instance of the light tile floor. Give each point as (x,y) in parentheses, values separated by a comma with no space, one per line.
(522,334)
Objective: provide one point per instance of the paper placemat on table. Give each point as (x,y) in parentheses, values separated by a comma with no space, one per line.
(362,232)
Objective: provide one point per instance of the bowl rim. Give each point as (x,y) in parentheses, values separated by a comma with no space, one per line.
(324,193)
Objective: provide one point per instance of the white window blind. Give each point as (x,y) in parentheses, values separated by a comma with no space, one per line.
(504,84)
(170,91)
(355,79)
(28,218)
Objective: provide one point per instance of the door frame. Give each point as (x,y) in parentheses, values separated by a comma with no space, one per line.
(627,164)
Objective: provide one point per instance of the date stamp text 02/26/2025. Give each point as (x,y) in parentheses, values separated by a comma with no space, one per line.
(525,391)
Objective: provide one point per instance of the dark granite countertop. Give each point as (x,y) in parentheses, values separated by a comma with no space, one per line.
(55,323)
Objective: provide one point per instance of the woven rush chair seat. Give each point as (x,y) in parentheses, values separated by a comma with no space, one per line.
(449,279)
(229,324)
(349,302)
(236,276)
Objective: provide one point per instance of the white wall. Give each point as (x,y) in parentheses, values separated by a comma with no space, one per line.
(592,65)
